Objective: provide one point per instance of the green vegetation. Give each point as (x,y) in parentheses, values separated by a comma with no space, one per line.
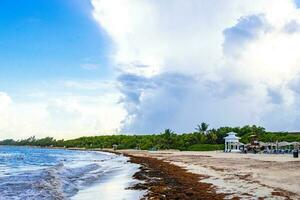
(203,139)
(206,147)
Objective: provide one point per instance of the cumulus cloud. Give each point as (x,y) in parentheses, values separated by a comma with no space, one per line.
(14,119)
(227,63)
(84,115)
(5,100)
(247,29)
(62,116)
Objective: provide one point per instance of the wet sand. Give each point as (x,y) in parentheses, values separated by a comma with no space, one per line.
(112,186)
(113,183)
(216,175)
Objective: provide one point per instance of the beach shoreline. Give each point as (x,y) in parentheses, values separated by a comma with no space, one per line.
(173,174)
(58,173)
(221,175)
(163,180)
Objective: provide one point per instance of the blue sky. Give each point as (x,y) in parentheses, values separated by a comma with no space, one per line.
(55,71)
(90,67)
(50,40)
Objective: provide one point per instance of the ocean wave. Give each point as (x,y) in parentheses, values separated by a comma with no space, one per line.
(58,182)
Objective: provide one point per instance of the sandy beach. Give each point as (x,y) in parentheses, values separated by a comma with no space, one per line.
(233,175)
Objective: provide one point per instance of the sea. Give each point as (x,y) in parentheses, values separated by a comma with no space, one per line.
(57,174)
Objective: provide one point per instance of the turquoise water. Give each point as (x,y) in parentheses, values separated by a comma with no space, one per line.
(36,173)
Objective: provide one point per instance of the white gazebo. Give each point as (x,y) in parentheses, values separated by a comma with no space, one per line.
(232,143)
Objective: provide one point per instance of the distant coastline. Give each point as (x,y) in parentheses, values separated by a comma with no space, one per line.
(202,139)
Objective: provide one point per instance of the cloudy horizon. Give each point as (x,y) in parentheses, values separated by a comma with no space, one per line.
(93,67)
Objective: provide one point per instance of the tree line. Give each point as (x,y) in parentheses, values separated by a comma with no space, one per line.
(202,138)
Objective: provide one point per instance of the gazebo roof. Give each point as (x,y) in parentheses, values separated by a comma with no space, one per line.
(232,136)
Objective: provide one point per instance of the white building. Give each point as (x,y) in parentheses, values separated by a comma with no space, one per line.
(232,143)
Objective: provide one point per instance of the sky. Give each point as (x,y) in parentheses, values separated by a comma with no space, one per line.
(92,67)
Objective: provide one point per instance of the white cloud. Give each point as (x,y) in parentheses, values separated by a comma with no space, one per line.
(90,85)
(19,119)
(85,115)
(188,38)
(90,66)
(5,100)
(179,63)
(63,116)
(177,35)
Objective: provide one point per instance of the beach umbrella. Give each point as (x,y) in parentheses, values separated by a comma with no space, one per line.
(272,144)
(263,144)
(283,144)
(295,143)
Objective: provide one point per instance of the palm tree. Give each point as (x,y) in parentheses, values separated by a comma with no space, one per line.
(202,128)
(168,137)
